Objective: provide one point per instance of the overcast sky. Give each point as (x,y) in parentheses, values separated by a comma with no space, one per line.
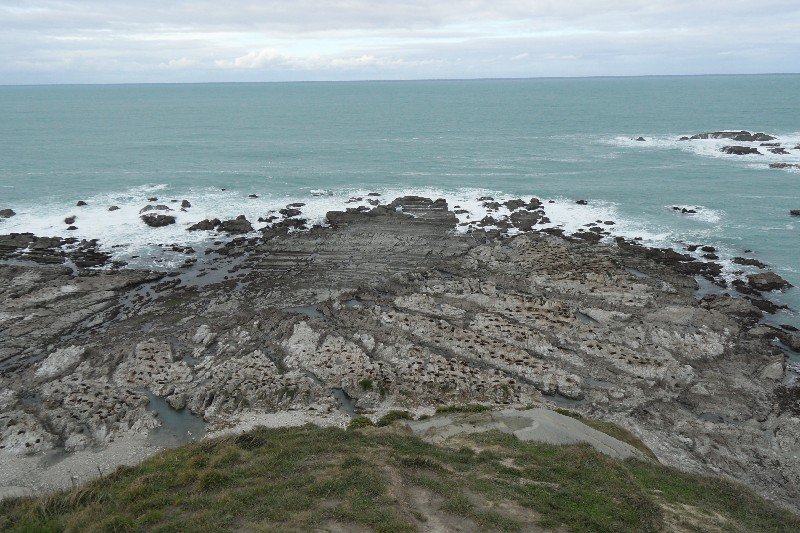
(115,41)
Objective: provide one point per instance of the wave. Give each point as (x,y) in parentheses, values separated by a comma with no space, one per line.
(712,148)
(123,234)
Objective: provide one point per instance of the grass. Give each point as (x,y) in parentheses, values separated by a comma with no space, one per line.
(375,478)
(609,428)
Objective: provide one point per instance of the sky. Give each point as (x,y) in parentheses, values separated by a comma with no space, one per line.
(154,41)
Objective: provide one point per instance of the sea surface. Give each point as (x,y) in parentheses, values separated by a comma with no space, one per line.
(322,143)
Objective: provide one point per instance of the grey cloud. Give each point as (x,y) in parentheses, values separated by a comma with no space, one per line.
(115,41)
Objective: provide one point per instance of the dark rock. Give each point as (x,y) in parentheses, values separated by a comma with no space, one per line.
(186,204)
(72,228)
(795,212)
(641,139)
(153,199)
(296,204)
(739,150)
(158,221)
(708,249)
(741,136)
(534,203)
(710,256)
(582,202)
(205,225)
(236,226)
(770,144)
(513,205)
(609,223)
(113,208)
(372,194)
(767,281)
(749,262)
(525,220)
(7,213)
(684,138)
(69,220)
(488,220)
(587,236)
(81,203)
(491,206)
(784,165)
(693,247)
(252,196)
(486,199)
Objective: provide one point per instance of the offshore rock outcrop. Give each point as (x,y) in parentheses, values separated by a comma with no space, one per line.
(388,308)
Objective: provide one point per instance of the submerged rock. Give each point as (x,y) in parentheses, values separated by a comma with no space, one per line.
(741,136)
(7,213)
(740,150)
(784,165)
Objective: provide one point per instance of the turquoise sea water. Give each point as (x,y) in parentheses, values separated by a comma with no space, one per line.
(562,139)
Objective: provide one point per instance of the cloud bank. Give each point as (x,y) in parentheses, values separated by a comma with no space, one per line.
(110,41)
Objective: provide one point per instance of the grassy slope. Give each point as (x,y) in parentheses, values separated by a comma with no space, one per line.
(384,479)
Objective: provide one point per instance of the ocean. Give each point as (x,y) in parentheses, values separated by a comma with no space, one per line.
(323,143)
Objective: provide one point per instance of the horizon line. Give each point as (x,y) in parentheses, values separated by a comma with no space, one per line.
(379,80)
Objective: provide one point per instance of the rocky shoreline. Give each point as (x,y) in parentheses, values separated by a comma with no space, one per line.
(388,307)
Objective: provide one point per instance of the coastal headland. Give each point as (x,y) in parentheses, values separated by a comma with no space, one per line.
(387,308)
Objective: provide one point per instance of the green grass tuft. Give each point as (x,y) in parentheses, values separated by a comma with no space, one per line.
(393,416)
(308,478)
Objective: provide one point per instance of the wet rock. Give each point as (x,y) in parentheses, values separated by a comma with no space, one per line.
(708,249)
(795,212)
(152,199)
(784,165)
(81,203)
(113,208)
(525,220)
(374,194)
(779,151)
(158,221)
(7,213)
(186,204)
(767,281)
(72,228)
(252,196)
(513,205)
(69,220)
(289,212)
(641,139)
(236,226)
(205,225)
(749,262)
(159,207)
(582,202)
(739,150)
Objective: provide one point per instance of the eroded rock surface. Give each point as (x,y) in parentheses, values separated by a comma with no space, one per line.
(389,309)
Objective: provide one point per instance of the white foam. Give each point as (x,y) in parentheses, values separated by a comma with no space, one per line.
(713,148)
(124,235)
